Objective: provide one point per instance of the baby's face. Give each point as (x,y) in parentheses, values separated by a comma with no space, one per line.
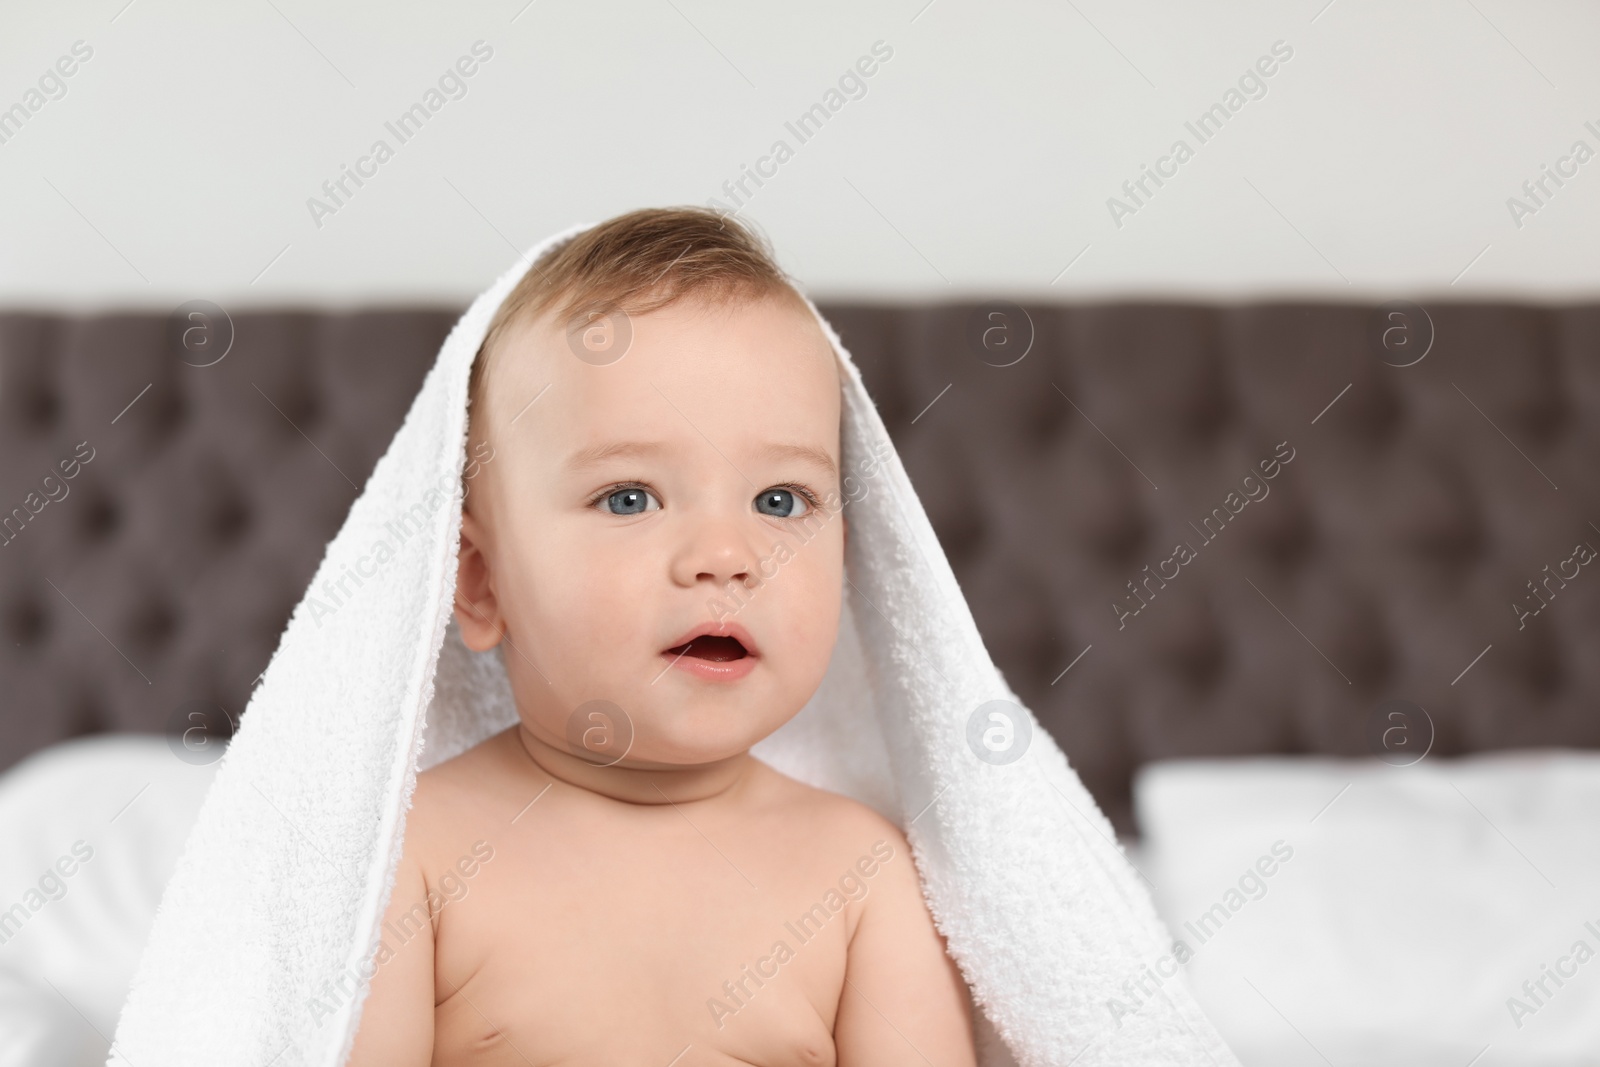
(618,507)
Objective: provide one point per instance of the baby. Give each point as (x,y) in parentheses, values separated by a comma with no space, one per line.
(616,881)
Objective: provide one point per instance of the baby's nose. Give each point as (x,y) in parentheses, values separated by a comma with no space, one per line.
(714,551)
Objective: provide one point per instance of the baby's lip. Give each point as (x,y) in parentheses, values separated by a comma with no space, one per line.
(712,629)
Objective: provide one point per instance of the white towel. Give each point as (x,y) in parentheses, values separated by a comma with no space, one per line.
(276,903)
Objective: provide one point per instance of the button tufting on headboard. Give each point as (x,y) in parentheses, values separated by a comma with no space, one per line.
(1384,559)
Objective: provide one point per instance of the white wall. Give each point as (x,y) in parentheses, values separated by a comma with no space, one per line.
(180,160)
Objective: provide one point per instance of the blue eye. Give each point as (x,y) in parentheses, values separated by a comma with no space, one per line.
(630,501)
(782,504)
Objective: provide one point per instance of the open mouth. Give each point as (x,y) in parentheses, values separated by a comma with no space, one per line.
(711,647)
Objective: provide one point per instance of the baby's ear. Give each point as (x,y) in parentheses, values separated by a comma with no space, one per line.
(476,607)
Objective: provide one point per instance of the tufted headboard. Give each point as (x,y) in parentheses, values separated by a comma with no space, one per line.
(1353,530)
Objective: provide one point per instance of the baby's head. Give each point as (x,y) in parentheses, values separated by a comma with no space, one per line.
(653,520)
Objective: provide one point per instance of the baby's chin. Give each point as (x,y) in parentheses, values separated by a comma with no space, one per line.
(691,745)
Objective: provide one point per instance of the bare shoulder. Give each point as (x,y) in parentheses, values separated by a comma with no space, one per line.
(800,797)
(397,1017)
(453,801)
(847,831)
(459,771)
(900,978)
(438,791)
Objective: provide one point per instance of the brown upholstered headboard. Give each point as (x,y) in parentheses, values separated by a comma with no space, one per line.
(1411,509)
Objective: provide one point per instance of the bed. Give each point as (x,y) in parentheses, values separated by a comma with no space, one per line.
(1383,653)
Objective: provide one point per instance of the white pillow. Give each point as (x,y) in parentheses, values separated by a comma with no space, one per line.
(1358,913)
(90,831)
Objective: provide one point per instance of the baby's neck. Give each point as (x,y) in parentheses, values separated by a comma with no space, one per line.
(649,784)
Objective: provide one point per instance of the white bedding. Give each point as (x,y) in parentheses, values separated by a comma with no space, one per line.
(90,831)
(1404,910)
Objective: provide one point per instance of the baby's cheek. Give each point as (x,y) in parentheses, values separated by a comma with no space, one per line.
(810,612)
(592,600)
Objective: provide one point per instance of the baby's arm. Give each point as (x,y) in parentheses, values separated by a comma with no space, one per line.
(904,1000)
(396,1028)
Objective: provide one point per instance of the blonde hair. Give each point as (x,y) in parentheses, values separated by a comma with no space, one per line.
(636,263)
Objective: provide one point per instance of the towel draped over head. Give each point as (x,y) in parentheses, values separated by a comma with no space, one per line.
(264,943)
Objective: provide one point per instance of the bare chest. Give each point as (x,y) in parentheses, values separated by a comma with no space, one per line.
(656,944)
